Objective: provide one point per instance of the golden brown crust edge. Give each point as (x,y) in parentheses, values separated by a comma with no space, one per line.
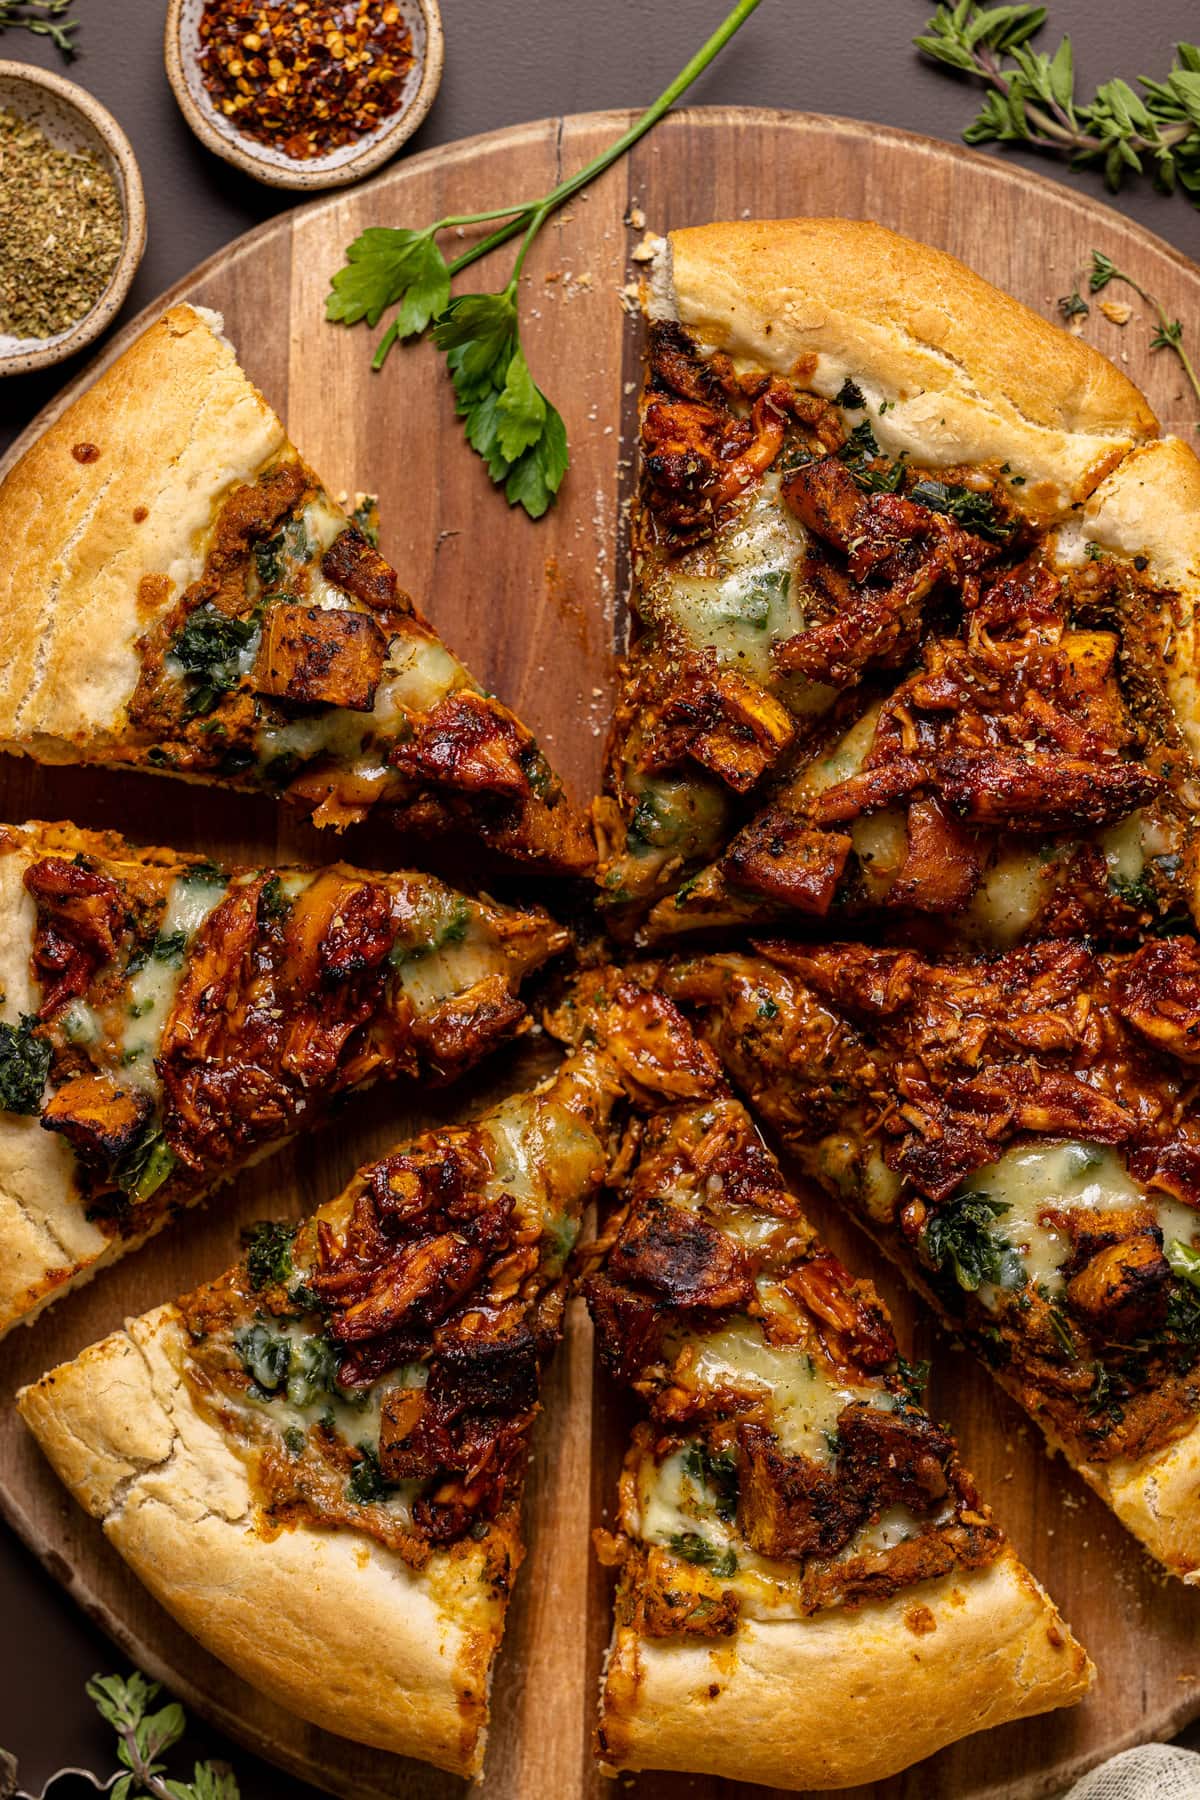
(849,1696)
(971,374)
(80,535)
(328,1624)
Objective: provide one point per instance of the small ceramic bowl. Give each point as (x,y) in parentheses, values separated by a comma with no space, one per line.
(337,168)
(72,120)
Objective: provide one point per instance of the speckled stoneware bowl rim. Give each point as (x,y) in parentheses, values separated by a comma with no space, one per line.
(337,168)
(45,351)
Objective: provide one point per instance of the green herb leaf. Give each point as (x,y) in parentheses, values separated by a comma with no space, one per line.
(268,1253)
(366,1484)
(507,420)
(696,1549)
(265,1357)
(1184,1261)
(974,512)
(960,1237)
(387,265)
(207,647)
(24,1066)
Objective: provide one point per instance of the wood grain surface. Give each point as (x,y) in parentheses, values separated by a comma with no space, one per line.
(538,613)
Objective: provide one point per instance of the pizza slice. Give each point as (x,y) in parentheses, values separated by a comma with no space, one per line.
(1018,1132)
(812,1593)
(316,1462)
(1029,779)
(165,1021)
(182,594)
(844,435)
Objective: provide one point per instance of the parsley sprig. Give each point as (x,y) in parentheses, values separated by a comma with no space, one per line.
(1031,98)
(506,417)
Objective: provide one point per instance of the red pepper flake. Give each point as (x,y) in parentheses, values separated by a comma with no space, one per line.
(305,76)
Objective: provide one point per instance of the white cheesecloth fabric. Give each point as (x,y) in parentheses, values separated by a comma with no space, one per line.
(1151,1772)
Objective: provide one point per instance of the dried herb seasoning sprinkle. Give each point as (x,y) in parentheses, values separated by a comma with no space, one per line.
(305,76)
(61,229)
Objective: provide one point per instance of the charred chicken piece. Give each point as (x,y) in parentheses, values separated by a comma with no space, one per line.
(894,1458)
(317,655)
(789,1505)
(101,1119)
(355,566)
(786,860)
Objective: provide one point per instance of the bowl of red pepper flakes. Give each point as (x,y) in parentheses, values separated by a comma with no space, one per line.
(304,93)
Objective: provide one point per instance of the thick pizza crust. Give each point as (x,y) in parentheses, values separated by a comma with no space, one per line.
(971,375)
(329,1624)
(1150,507)
(176,424)
(1156,1497)
(851,1695)
(46,1242)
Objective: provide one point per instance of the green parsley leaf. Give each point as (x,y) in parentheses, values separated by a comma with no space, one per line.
(385,265)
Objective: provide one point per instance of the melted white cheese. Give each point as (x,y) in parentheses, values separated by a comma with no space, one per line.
(153,987)
(805,1399)
(1069,1175)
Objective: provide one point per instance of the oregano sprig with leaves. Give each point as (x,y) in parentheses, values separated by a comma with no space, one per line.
(44,18)
(506,417)
(142,1737)
(1168,333)
(1031,98)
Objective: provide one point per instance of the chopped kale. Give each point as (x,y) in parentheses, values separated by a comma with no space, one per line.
(452,930)
(366,517)
(1184,1261)
(143,1169)
(366,1482)
(767,1008)
(865,461)
(913,1377)
(717,1472)
(204,874)
(169,948)
(313,1371)
(974,512)
(273,903)
(290,545)
(696,1549)
(24,1066)
(959,1237)
(208,647)
(268,1253)
(265,1357)
(294,1440)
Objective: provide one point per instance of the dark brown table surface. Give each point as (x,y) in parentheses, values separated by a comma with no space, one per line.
(504,64)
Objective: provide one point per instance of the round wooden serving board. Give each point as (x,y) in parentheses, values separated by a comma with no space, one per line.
(538,613)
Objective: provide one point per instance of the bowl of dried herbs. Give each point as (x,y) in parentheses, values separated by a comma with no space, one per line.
(72,218)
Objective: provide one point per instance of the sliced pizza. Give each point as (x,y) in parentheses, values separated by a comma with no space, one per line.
(316,1462)
(1029,779)
(850,445)
(1019,1133)
(181,594)
(812,1593)
(165,1021)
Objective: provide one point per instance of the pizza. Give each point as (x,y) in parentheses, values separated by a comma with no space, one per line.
(165,1021)
(914,579)
(812,1593)
(316,1462)
(910,728)
(195,602)
(1019,1133)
